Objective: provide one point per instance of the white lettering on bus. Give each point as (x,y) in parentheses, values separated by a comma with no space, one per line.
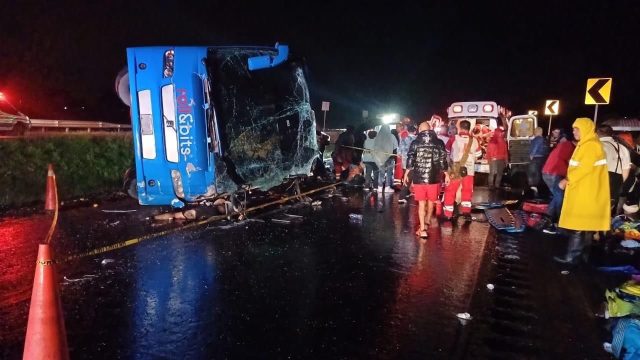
(185,122)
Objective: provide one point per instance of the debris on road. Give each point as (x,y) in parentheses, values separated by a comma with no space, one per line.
(355,218)
(490,287)
(631,244)
(104,262)
(464,316)
(564,272)
(280,221)
(83,278)
(626,269)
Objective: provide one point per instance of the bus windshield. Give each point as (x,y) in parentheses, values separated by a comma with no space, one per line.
(264,118)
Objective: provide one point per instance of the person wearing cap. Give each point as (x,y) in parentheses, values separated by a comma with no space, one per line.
(586,207)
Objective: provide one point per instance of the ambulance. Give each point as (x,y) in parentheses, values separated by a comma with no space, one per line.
(486,116)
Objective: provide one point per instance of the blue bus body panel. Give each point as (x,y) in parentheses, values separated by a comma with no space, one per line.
(194,160)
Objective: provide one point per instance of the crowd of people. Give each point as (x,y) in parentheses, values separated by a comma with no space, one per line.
(432,167)
(588,177)
(435,164)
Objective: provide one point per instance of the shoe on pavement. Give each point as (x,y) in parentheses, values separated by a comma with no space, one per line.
(534,189)
(551,229)
(402,201)
(379,189)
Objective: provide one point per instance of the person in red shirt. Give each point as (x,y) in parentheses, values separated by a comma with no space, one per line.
(497,156)
(554,171)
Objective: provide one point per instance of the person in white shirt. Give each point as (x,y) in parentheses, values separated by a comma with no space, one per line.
(465,182)
(618,163)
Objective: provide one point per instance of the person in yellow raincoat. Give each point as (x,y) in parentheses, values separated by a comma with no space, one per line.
(586,207)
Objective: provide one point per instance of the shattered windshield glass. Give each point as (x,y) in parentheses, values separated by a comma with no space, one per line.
(264,117)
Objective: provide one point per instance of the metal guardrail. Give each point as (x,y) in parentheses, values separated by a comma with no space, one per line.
(75,125)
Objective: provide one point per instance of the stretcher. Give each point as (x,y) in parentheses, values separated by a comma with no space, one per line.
(502,219)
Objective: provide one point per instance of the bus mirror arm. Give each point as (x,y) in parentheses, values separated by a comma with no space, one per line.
(269,61)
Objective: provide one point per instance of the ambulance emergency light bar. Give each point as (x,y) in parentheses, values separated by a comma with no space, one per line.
(473,109)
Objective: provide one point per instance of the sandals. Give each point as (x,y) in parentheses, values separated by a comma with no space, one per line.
(422,234)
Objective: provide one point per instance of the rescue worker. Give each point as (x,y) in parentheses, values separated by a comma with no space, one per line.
(426,162)
(586,206)
(618,163)
(497,156)
(463,148)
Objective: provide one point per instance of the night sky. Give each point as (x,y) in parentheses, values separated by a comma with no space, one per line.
(415,58)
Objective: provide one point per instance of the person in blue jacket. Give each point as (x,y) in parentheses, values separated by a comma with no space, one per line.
(537,155)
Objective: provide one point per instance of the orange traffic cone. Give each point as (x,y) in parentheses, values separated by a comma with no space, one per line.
(46,336)
(51,197)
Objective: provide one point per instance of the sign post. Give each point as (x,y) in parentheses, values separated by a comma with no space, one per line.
(551,107)
(325,108)
(598,92)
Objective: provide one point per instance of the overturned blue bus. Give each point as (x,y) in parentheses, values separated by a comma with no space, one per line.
(211,120)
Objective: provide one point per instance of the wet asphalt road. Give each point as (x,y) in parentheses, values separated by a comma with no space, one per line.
(321,286)
(315,285)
